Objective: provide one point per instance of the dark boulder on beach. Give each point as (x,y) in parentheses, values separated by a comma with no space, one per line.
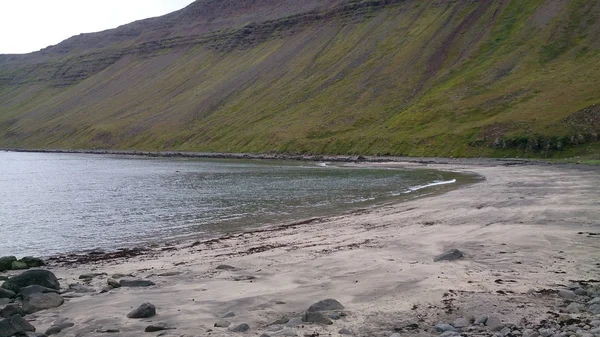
(19,265)
(39,277)
(14,325)
(5,293)
(145,310)
(451,255)
(40,301)
(6,262)
(32,262)
(34,289)
(11,310)
(326,305)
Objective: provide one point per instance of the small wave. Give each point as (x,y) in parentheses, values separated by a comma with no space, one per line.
(322,164)
(420,187)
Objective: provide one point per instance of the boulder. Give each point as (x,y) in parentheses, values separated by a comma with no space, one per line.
(451,255)
(460,323)
(136,283)
(567,294)
(14,325)
(317,318)
(42,301)
(19,265)
(5,293)
(34,289)
(575,308)
(294,322)
(144,311)
(33,262)
(326,305)
(6,262)
(11,310)
(346,331)
(39,277)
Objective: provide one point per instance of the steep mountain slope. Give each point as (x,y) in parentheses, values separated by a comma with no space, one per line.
(439,77)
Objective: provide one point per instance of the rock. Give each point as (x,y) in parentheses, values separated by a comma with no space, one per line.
(6,262)
(282,320)
(11,310)
(460,323)
(91,276)
(14,325)
(5,293)
(264,335)
(567,294)
(530,333)
(39,277)
(229,314)
(171,273)
(225,267)
(494,323)
(595,323)
(443,327)
(108,330)
(316,317)
(334,315)
(580,292)
(546,332)
(594,301)
(33,262)
(136,283)
(451,255)
(294,322)
(35,289)
(244,278)
(3,278)
(240,328)
(222,324)
(480,320)
(345,331)
(505,331)
(594,308)
(144,311)
(326,305)
(396,335)
(42,301)
(157,327)
(574,308)
(19,265)
(113,283)
(53,330)
(106,289)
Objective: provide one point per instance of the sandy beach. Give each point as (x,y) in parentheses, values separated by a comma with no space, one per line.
(523,229)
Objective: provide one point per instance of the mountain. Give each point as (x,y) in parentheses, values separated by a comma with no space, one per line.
(386,77)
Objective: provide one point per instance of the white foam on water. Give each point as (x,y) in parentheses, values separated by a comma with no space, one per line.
(420,187)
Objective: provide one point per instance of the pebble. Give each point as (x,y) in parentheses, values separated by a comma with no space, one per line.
(345,331)
(396,335)
(574,308)
(546,332)
(580,292)
(567,294)
(285,332)
(229,314)
(594,308)
(225,267)
(222,324)
(244,278)
(156,327)
(294,322)
(282,320)
(136,283)
(449,334)
(594,301)
(443,327)
(240,328)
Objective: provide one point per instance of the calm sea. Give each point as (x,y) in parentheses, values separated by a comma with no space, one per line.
(55,203)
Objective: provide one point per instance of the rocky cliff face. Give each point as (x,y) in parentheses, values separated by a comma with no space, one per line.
(375,76)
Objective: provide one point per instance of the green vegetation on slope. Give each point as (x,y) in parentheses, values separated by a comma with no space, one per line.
(419,78)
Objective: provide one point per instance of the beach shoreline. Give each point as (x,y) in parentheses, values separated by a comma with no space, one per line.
(524,227)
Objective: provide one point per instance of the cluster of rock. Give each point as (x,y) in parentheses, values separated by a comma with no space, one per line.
(578,316)
(29,292)
(11,263)
(322,312)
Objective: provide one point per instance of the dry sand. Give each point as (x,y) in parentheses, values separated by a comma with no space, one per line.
(520,225)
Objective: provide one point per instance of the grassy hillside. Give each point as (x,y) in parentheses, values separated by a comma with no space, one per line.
(419,78)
